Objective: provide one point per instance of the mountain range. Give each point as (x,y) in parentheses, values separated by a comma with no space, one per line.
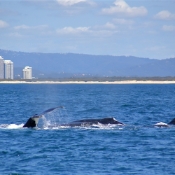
(60,65)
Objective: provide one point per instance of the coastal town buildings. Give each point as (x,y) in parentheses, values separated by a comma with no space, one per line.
(8,69)
(27,72)
(1,68)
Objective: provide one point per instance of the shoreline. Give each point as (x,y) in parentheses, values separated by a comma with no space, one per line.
(92,82)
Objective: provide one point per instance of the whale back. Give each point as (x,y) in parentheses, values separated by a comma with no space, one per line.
(172,122)
(109,121)
(103,121)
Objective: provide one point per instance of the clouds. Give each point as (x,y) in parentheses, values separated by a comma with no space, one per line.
(73,2)
(120,7)
(110,25)
(168,28)
(89,26)
(69,2)
(26,31)
(123,21)
(73,31)
(165,15)
(101,31)
(3,24)
(26,27)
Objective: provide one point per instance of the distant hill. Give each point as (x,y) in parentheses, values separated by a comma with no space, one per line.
(56,65)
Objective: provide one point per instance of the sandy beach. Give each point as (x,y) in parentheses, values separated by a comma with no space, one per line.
(90,82)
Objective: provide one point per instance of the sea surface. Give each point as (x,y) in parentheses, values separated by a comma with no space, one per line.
(138,147)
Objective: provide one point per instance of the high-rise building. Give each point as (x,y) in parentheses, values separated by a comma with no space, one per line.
(8,69)
(27,72)
(1,68)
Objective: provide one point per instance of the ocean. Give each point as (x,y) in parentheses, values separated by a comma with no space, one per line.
(138,147)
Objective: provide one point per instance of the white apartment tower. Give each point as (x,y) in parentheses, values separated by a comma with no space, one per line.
(8,69)
(1,68)
(27,72)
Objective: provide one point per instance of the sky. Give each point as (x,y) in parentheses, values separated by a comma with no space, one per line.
(141,28)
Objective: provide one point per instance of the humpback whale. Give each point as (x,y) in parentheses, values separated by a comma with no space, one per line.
(33,121)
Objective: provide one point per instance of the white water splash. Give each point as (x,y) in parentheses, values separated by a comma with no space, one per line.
(11,126)
(106,127)
(53,120)
(161,124)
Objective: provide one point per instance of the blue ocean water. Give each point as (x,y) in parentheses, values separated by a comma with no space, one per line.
(136,148)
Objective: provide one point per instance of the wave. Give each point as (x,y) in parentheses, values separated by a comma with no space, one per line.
(11,126)
(94,126)
(50,125)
